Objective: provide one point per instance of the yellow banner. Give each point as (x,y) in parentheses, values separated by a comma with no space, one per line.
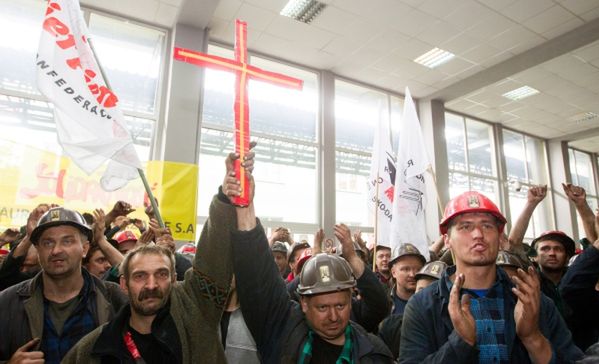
(177,186)
(31,176)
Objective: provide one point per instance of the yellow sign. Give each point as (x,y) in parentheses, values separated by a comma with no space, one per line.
(31,176)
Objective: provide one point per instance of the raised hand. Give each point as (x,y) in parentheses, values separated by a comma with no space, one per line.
(536,194)
(459,312)
(526,312)
(576,194)
(343,234)
(34,217)
(231,186)
(99,225)
(318,239)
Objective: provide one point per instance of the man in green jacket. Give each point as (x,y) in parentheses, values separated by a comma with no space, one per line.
(166,321)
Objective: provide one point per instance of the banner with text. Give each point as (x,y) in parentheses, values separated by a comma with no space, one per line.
(31,176)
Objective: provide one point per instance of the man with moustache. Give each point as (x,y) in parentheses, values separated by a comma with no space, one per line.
(168,322)
(45,316)
(475,313)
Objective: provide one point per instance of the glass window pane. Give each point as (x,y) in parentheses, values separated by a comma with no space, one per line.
(487,187)
(396,115)
(574,175)
(131,57)
(536,161)
(20,116)
(458,183)
(515,158)
(357,113)
(21,27)
(454,137)
(480,148)
(269,103)
(351,191)
(282,169)
(584,172)
(219,92)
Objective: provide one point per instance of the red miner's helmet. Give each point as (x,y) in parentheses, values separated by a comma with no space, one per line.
(125,236)
(470,201)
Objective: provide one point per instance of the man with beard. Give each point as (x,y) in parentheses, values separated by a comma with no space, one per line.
(165,321)
(554,249)
(45,316)
(475,313)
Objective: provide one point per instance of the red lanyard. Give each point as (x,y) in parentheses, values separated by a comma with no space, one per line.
(130,344)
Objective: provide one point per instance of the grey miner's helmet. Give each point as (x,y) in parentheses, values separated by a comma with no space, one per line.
(61,216)
(324,273)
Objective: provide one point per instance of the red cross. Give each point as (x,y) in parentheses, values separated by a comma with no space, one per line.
(243,71)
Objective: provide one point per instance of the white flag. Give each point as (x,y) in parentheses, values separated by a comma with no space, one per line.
(409,201)
(90,126)
(381,181)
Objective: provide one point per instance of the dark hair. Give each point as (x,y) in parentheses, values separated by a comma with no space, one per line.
(146,249)
(92,249)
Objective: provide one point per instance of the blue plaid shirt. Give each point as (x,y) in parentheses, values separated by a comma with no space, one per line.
(81,322)
(488,312)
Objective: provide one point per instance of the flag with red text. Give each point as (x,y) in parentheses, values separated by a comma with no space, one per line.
(410,189)
(90,126)
(381,181)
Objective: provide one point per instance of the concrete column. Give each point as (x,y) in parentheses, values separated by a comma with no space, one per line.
(180,137)
(326,139)
(559,172)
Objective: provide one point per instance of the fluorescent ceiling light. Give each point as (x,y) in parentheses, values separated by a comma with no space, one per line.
(302,10)
(584,116)
(521,93)
(435,57)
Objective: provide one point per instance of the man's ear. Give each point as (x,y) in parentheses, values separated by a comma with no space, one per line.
(123,284)
(446,240)
(85,248)
(304,303)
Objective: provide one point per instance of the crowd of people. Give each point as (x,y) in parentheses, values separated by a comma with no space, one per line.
(104,288)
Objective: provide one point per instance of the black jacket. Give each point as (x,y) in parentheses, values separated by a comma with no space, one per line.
(276,322)
(110,346)
(578,291)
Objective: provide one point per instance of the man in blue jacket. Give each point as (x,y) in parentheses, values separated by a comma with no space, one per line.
(475,313)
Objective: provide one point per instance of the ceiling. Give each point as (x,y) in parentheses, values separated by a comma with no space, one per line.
(500,45)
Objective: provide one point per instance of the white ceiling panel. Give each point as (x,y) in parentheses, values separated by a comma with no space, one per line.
(549,19)
(579,7)
(226,9)
(261,18)
(376,42)
(522,10)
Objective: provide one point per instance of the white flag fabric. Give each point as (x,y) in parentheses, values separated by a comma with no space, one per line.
(410,189)
(381,181)
(90,126)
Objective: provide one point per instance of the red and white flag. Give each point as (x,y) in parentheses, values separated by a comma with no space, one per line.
(410,189)
(381,181)
(91,127)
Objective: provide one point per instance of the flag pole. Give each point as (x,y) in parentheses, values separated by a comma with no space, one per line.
(430,170)
(376,223)
(139,170)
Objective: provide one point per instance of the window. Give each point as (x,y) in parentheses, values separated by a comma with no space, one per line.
(283,122)
(581,171)
(526,165)
(132,56)
(357,114)
(471,157)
